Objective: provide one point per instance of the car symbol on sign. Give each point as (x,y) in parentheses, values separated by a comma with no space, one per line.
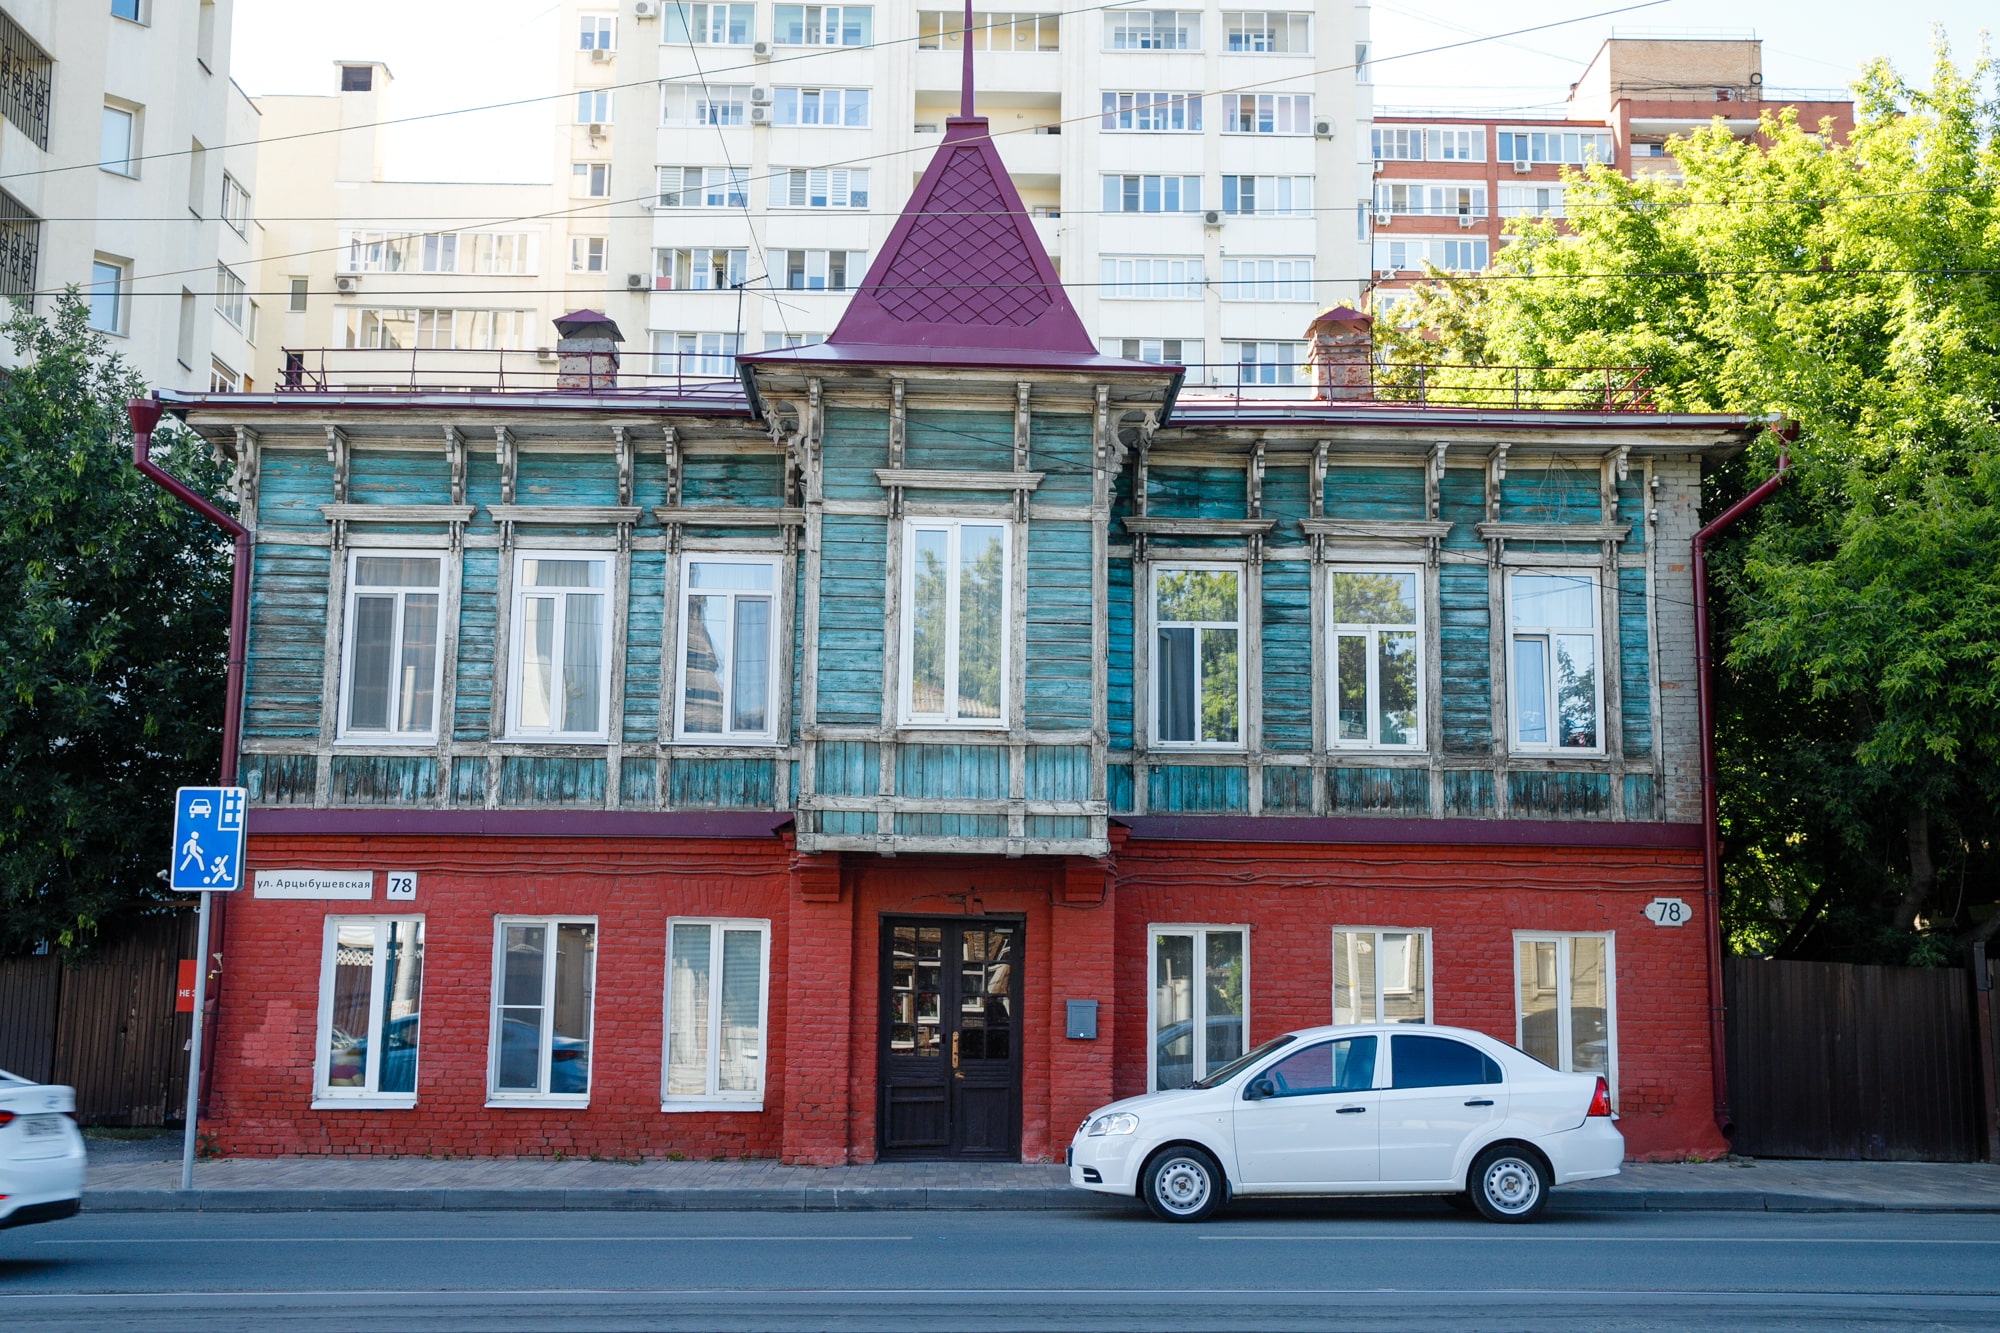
(199,809)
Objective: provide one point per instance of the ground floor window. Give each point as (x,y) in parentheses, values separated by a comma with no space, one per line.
(544,979)
(371,986)
(1566,1014)
(1199,988)
(717,991)
(1381,976)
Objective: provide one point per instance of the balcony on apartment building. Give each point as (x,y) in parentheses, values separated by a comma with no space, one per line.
(1030,143)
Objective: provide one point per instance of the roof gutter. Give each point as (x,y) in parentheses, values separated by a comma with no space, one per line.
(1711,842)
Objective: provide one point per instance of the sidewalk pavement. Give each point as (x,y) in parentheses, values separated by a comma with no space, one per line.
(144,1175)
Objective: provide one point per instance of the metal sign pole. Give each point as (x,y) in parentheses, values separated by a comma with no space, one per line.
(194,1043)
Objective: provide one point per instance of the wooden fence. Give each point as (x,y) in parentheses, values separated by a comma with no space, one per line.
(1854,1063)
(106,1027)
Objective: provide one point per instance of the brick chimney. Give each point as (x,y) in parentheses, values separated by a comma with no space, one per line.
(587,351)
(1340,348)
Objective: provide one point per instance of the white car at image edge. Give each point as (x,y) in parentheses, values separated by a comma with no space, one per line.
(41,1153)
(1373,1109)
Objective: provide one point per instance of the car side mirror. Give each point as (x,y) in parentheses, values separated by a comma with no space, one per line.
(1259,1089)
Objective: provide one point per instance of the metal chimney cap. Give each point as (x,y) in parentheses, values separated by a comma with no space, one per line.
(588,321)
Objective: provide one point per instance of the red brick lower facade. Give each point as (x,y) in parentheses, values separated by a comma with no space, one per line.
(1083,930)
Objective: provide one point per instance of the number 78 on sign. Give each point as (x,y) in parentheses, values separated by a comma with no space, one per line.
(208,839)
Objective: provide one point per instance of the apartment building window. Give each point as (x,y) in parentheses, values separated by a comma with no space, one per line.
(1362,73)
(1443,201)
(1258,33)
(127,10)
(230,296)
(1376,678)
(820,187)
(717,992)
(357,78)
(1197,629)
(819,270)
(728,686)
(704,187)
(777,342)
(298,291)
(587,254)
(197,176)
(599,32)
(704,354)
(706,25)
(820,106)
(371,984)
(1566,1008)
(1159,351)
(1152,30)
(235,204)
(1381,976)
(1267,113)
(26,82)
(1152,194)
(1467,145)
(1267,363)
(204,35)
(504,253)
(944,30)
(107,295)
(593,106)
(1397,145)
(1399,254)
(390,683)
(1267,280)
(184,330)
(561,669)
(1561,146)
(1531,201)
(1552,631)
(1152,113)
(700,269)
(692,104)
(544,983)
(221,378)
(20,248)
(1269,196)
(590,180)
(1198,995)
(118,140)
(823,25)
(1135,279)
(954,629)
(450,330)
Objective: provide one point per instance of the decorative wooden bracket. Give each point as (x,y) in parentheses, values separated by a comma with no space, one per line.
(246,475)
(336,454)
(505,454)
(898,423)
(621,443)
(1021,428)
(1434,479)
(454,457)
(1253,498)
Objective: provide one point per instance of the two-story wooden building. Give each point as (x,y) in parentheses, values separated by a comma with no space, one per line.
(941,732)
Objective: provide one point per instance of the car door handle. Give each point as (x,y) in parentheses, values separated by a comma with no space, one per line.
(1349,1110)
(1480,1101)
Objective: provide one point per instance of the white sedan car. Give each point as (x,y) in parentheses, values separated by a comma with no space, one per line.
(1357,1110)
(41,1154)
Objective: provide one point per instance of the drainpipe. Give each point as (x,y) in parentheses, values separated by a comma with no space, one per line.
(144,414)
(1711,843)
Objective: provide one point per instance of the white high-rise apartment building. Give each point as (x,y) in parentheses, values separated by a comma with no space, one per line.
(1195,170)
(128,170)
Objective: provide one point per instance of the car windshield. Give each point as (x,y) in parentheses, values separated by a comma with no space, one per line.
(1241,1062)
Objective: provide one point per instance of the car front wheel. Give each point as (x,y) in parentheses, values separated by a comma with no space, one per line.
(1508,1184)
(1183,1185)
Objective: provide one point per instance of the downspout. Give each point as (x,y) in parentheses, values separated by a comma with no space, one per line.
(144,414)
(1711,842)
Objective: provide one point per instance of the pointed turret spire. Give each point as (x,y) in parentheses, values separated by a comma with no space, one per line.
(965,79)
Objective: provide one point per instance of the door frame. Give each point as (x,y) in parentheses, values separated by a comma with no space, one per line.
(887,922)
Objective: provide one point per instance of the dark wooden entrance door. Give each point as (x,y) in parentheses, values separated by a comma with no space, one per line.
(950,1060)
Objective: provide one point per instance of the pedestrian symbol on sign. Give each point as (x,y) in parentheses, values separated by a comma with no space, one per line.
(208,839)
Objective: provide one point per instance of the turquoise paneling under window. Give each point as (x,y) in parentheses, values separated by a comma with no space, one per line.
(847,768)
(1195,492)
(1558,795)
(1549,495)
(749,481)
(396,779)
(1058,773)
(565,479)
(952,772)
(1375,492)
(1468,793)
(539,780)
(381,476)
(1194,790)
(1398,791)
(745,783)
(1288,790)
(959,441)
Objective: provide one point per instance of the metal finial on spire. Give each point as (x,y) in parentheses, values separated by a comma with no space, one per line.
(965,80)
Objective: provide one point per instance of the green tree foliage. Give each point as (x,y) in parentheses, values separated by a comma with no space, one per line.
(112,639)
(1855,288)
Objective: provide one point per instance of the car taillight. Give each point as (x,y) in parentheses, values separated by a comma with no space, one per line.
(1600,1101)
(6,1118)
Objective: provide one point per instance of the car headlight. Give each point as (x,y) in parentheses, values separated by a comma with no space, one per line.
(1123,1122)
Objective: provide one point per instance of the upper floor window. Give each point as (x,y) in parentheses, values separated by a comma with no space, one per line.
(820,106)
(1159,351)
(700,270)
(590,180)
(1552,635)
(944,30)
(1260,33)
(593,106)
(589,254)
(599,33)
(954,647)
(693,104)
(1269,196)
(462,330)
(1375,677)
(1449,145)
(230,295)
(118,140)
(706,25)
(728,669)
(1267,280)
(1153,30)
(26,82)
(107,295)
(1149,279)
(127,10)
(818,270)
(500,253)
(1267,113)
(1568,146)
(235,204)
(1531,201)
(1396,254)
(704,354)
(1267,362)
(1443,201)
(390,682)
(1398,143)
(775,342)
(1152,194)
(704,187)
(370,997)
(1197,628)
(561,666)
(823,25)
(1150,112)
(820,187)
(1381,976)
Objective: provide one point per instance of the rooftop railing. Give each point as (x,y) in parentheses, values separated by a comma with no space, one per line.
(1363,384)
(467,370)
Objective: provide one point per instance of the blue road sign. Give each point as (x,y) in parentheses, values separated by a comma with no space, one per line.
(208,839)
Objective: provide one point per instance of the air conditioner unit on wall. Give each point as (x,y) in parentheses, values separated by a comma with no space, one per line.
(1466,220)
(347,285)
(1212,218)
(596,130)
(760,51)
(1384,219)
(599,56)
(760,115)
(646,9)
(635,282)
(545,354)
(1523,168)
(1323,129)
(760,94)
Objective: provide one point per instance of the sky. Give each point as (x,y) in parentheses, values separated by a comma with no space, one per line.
(450,54)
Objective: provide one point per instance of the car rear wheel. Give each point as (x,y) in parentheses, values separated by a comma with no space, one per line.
(1183,1185)
(1508,1184)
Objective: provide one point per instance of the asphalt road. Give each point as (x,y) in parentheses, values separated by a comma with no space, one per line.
(1298,1267)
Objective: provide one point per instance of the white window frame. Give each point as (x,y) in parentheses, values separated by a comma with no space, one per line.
(495,1096)
(586,178)
(590,102)
(946,721)
(597,31)
(1199,932)
(345,1099)
(1372,636)
(1547,633)
(517,646)
(1561,939)
(1179,22)
(837,26)
(119,293)
(231,297)
(235,204)
(345,734)
(1378,932)
(128,167)
(714,1099)
(769,734)
(1155,624)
